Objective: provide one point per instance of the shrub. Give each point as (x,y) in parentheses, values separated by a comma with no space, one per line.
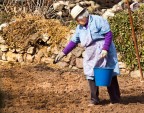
(5,17)
(120,26)
(19,33)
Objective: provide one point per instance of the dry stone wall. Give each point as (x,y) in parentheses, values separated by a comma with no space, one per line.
(105,8)
(45,53)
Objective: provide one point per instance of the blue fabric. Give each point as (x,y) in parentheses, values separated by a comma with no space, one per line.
(98,27)
(92,59)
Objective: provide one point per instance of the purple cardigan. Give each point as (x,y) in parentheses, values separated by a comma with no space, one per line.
(71,45)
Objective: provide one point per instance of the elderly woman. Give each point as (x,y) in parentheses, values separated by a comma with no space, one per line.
(94,34)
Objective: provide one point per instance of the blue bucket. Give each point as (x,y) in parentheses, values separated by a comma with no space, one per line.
(103,76)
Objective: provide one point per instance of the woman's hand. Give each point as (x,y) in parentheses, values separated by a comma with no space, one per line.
(104,53)
(59,57)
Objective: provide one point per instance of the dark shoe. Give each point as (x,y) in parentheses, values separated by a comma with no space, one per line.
(115,102)
(95,101)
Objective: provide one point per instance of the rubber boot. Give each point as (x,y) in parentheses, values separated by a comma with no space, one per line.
(114,91)
(94,90)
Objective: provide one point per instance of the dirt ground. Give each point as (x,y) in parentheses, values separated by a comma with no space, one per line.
(42,89)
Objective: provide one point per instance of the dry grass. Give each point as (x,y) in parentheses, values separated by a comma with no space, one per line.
(18,33)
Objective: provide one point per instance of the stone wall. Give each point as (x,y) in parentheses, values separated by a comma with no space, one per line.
(105,8)
(45,53)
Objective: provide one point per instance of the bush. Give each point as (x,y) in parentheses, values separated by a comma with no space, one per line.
(120,26)
(19,33)
(5,17)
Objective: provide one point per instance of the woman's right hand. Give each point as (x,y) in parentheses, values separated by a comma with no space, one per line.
(59,57)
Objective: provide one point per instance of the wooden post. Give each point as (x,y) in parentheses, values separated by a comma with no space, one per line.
(135,42)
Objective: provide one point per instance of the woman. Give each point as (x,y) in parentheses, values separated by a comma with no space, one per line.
(93,32)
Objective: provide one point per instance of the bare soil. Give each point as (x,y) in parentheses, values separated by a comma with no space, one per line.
(42,89)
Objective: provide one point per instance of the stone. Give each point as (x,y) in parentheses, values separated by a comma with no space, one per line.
(92,3)
(33,39)
(29,58)
(96,6)
(59,13)
(108,13)
(124,72)
(73,60)
(31,50)
(4,56)
(54,50)
(4,48)
(135,74)
(1,53)
(58,6)
(83,54)
(34,36)
(122,65)
(44,50)
(49,42)
(120,3)
(103,11)
(82,3)
(2,41)
(41,53)
(20,58)
(11,56)
(19,50)
(70,66)
(45,37)
(25,10)
(47,60)
(20,0)
(71,5)
(37,12)
(3,25)
(74,68)
(39,56)
(88,3)
(62,64)
(78,51)
(64,2)
(53,56)
(67,58)
(12,50)
(79,63)
(77,1)
(48,49)
(116,8)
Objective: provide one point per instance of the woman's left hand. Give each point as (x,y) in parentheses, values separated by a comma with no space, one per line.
(104,53)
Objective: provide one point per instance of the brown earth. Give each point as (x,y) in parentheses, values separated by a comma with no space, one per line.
(42,89)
